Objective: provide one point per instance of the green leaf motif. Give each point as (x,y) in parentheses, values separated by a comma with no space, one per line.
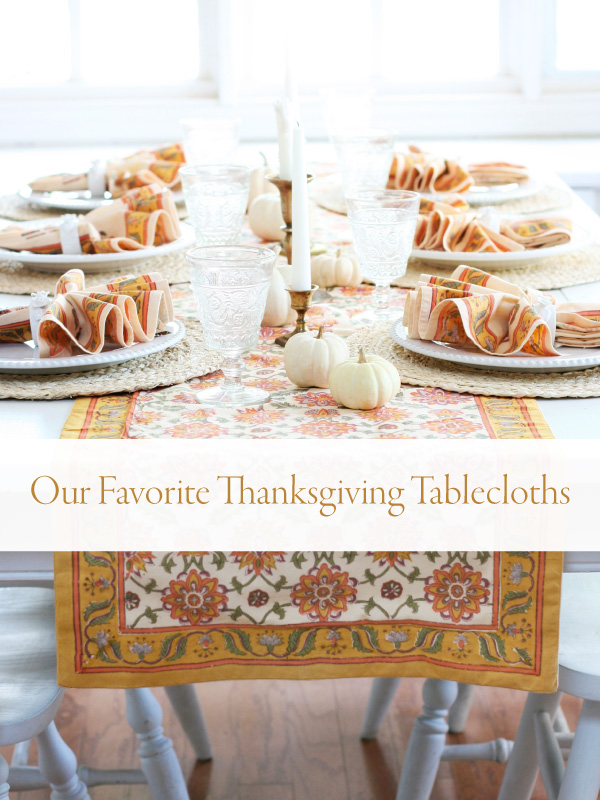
(499,644)
(116,648)
(231,646)
(166,645)
(432,555)
(524,655)
(219,560)
(103,657)
(96,561)
(357,644)
(244,638)
(298,559)
(151,615)
(369,605)
(96,605)
(293,640)
(350,555)
(235,583)
(372,635)
(370,577)
(414,575)
(436,644)
(421,636)
(179,650)
(277,609)
(150,586)
(167,563)
(309,644)
(513,595)
(410,602)
(104,618)
(484,650)
(522,609)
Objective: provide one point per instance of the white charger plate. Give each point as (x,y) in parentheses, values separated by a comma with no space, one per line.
(74,202)
(23,358)
(580,238)
(96,262)
(570,358)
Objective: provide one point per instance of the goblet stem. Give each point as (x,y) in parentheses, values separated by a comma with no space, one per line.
(232,367)
(382,300)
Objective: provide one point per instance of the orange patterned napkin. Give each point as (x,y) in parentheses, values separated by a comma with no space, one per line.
(139,169)
(143,217)
(492,173)
(424,172)
(475,310)
(450,227)
(121,313)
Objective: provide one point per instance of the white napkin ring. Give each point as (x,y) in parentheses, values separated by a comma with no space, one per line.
(38,305)
(68,230)
(546,309)
(97,178)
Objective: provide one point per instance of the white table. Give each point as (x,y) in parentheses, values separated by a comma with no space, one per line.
(568,419)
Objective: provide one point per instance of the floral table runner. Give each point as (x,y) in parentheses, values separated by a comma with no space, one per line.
(152,618)
(173,412)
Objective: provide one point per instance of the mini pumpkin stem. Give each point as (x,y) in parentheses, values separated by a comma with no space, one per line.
(339,252)
(320,333)
(361,356)
(264,158)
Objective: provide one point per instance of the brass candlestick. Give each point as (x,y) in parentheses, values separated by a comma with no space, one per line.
(301,302)
(285,192)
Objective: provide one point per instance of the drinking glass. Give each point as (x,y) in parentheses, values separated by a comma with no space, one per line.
(364,158)
(230,286)
(210,141)
(383,227)
(216,196)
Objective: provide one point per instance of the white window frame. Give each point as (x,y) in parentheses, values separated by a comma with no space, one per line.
(527,99)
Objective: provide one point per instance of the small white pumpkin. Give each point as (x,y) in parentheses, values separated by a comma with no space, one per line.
(259,183)
(265,217)
(278,310)
(309,359)
(335,270)
(365,382)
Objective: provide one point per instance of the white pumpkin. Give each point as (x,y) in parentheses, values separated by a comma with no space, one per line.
(259,183)
(365,382)
(278,310)
(335,270)
(265,217)
(309,358)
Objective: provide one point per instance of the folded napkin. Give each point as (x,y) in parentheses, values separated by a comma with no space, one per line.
(124,311)
(423,172)
(447,226)
(475,310)
(119,175)
(495,172)
(143,217)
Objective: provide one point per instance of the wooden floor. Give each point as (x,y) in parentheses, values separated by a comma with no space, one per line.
(290,740)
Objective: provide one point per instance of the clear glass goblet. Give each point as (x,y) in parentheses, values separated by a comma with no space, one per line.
(216,196)
(364,158)
(383,228)
(230,286)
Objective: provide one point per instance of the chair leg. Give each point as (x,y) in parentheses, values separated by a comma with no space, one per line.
(159,762)
(4,787)
(382,693)
(459,711)
(58,765)
(581,780)
(189,713)
(523,766)
(20,755)
(427,741)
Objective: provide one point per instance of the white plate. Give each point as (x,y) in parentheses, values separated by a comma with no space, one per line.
(580,238)
(23,358)
(96,262)
(570,358)
(74,202)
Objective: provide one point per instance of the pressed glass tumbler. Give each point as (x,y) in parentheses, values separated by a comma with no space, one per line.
(364,158)
(383,228)
(230,286)
(216,196)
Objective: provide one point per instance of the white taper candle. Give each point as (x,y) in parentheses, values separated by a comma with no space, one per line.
(301,279)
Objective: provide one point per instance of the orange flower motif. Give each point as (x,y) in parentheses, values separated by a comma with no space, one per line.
(398,557)
(457,592)
(196,599)
(324,593)
(258,415)
(137,562)
(258,561)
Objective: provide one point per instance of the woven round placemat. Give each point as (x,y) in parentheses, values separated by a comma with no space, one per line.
(17,278)
(556,272)
(418,370)
(188,359)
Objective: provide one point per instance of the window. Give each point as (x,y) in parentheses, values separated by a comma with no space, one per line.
(127,70)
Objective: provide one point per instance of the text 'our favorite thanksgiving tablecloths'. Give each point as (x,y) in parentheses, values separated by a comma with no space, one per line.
(151,618)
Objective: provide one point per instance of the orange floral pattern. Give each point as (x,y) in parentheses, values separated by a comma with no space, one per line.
(457,592)
(324,593)
(195,599)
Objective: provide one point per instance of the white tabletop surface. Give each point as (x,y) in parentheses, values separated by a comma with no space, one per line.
(568,419)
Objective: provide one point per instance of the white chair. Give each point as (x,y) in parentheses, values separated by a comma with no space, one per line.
(543,737)
(30,697)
